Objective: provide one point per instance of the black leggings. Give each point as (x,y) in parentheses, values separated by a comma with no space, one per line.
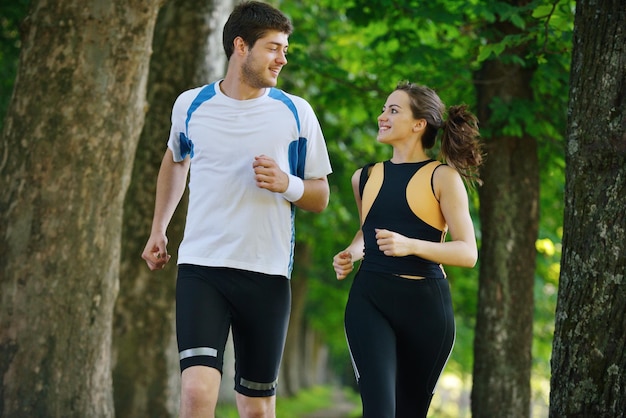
(400,334)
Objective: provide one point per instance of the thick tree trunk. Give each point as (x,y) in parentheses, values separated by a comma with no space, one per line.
(589,348)
(509,224)
(66,159)
(187,53)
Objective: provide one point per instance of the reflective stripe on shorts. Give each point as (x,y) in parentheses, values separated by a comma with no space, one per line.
(199,351)
(258,386)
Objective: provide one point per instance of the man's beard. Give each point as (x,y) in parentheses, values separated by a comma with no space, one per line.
(252,77)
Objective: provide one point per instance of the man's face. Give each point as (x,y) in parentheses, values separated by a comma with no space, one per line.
(265,60)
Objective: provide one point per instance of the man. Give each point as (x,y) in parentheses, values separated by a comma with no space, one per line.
(253,153)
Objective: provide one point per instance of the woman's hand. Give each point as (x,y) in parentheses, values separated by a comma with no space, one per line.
(393,244)
(343,264)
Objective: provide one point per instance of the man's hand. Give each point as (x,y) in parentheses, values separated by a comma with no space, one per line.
(155,253)
(268,174)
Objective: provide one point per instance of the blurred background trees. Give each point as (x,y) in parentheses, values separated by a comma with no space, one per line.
(187,51)
(509,60)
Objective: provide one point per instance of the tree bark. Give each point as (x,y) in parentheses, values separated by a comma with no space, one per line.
(187,53)
(65,164)
(589,347)
(509,217)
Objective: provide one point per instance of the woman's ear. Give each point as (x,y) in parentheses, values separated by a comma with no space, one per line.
(419,125)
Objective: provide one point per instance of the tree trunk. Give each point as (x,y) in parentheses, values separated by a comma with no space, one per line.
(146,373)
(315,359)
(509,224)
(305,360)
(67,147)
(589,347)
(292,367)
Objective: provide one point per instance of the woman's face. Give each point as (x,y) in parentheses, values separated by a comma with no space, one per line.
(396,121)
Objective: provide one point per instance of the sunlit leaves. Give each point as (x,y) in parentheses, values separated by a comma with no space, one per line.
(545,27)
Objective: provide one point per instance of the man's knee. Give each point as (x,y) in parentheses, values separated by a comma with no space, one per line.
(250,407)
(200,387)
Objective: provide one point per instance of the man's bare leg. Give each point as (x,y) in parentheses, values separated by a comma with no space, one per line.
(199,391)
(256,407)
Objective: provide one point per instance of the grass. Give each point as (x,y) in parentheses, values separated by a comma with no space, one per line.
(305,402)
(451,400)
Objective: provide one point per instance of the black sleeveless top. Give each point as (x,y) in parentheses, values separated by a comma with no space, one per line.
(400,198)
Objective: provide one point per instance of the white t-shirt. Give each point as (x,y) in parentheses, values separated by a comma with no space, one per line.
(230,221)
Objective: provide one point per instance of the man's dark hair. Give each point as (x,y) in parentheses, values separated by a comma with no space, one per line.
(251,20)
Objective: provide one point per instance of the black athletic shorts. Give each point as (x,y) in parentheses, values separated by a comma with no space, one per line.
(212,300)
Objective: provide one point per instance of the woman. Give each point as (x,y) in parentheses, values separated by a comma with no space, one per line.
(399,319)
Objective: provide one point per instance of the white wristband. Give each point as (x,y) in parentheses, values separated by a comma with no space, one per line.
(295,190)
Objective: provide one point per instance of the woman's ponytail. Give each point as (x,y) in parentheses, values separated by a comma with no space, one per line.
(460,145)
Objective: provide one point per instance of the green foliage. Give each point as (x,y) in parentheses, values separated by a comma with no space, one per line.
(11,15)
(305,402)
(545,28)
(346,57)
(548,256)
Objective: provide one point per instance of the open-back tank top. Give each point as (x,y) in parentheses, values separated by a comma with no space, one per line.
(400,198)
